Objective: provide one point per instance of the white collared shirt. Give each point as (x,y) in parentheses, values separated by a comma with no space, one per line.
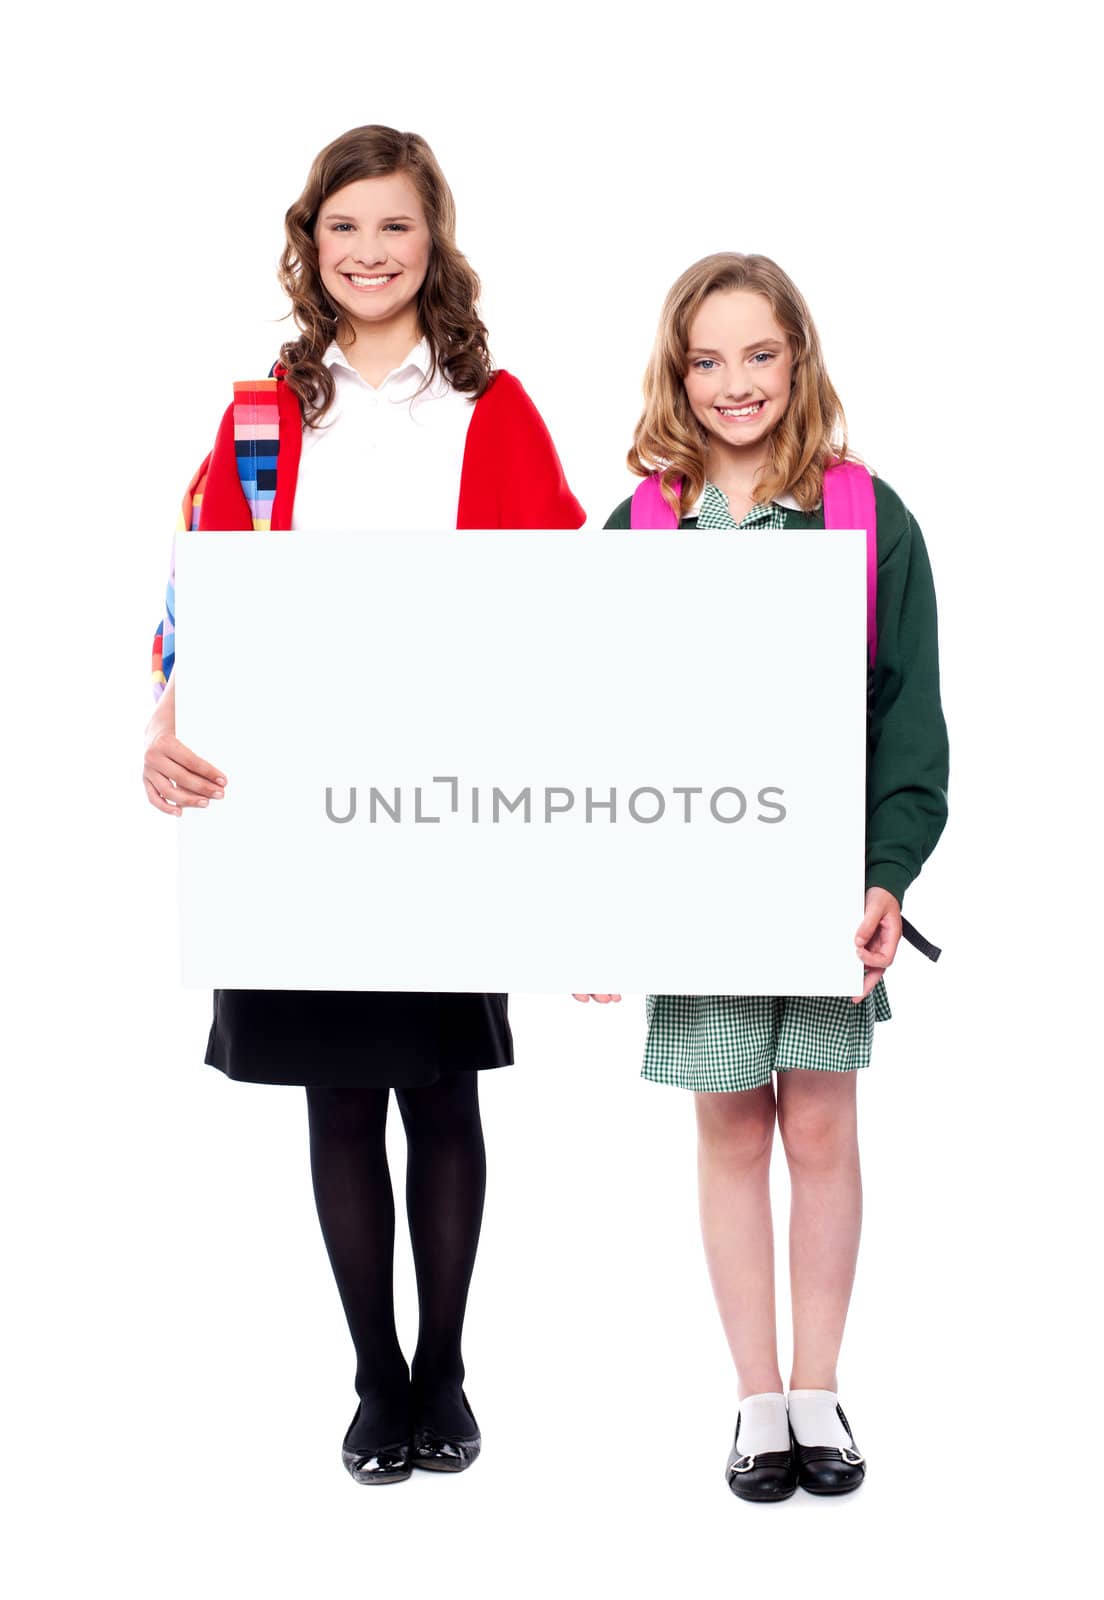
(382,459)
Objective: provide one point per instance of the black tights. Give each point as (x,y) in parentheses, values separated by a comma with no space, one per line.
(445,1181)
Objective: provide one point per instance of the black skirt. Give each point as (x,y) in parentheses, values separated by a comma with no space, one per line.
(356,1038)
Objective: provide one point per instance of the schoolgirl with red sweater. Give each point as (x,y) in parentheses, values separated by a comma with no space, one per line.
(385,412)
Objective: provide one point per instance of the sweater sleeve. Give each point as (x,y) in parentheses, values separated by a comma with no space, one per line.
(621,516)
(534,491)
(164,640)
(907,754)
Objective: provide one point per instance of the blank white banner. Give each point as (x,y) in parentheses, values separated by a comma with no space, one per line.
(562,762)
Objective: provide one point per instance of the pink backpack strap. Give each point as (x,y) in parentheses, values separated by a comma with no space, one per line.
(849,503)
(649,509)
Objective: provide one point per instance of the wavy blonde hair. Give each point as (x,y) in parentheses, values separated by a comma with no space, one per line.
(446,302)
(670,440)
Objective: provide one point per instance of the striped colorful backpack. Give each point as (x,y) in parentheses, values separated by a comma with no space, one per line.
(256,424)
(848,503)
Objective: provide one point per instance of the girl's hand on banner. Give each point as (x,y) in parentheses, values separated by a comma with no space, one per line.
(175,776)
(877,937)
(602,999)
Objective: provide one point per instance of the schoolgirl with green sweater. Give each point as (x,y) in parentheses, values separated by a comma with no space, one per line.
(740,427)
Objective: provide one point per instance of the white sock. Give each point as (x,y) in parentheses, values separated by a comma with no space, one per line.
(813,1418)
(762,1424)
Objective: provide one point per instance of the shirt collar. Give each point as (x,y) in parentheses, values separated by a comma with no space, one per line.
(419,361)
(785,500)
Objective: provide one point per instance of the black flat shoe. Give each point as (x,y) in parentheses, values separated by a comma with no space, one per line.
(389,1465)
(436,1452)
(829,1469)
(381,1464)
(770,1475)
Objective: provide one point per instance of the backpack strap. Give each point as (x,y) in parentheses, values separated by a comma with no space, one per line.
(649,509)
(257,446)
(918,942)
(849,503)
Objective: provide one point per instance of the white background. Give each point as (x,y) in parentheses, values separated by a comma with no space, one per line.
(179,1372)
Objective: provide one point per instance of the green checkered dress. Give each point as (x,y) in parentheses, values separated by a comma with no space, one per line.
(711,1042)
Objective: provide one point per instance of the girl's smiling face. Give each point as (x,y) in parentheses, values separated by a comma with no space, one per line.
(738,369)
(374,247)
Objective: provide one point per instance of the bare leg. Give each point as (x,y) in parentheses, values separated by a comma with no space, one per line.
(818,1124)
(735,1133)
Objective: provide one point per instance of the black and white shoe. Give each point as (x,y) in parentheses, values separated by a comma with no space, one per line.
(826,1468)
(769,1475)
(371,1463)
(438,1452)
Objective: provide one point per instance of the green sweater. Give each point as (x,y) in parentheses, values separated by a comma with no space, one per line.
(906,767)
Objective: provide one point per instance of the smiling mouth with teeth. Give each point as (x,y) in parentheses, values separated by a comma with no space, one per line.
(360,281)
(741,411)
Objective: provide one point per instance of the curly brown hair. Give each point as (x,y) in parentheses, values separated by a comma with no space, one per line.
(670,440)
(446,302)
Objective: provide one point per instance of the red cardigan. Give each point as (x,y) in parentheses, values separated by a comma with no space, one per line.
(511,475)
